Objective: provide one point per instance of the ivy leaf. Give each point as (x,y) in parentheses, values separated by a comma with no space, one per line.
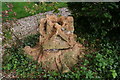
(107,15)
(114,74)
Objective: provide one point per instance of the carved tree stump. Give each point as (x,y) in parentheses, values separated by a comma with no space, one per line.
(57,49)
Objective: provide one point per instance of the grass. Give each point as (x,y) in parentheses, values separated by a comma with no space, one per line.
(18,7)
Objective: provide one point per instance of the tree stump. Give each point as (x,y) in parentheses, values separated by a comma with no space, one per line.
(57,48)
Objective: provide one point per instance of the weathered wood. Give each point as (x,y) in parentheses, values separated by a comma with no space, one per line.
(57,48)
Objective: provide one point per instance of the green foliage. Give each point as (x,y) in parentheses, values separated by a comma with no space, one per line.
(7,36)
(95,18)
(105,59)
(15,61)
(31,40)
(103,63)
(97,25)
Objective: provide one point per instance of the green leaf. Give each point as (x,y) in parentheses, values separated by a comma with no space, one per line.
(8,34)
(107,15)
(83,68)
(114,74)
(98,56)
(83,8)
(9,66)
(86,62)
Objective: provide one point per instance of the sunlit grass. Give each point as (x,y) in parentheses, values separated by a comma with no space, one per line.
(18,7)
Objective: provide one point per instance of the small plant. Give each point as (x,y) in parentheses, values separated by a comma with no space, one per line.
(31,40)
